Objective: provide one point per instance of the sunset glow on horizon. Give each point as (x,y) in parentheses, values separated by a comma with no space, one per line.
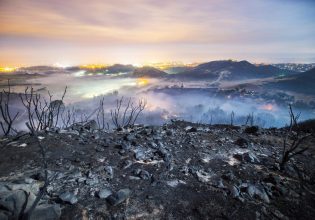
(76,32)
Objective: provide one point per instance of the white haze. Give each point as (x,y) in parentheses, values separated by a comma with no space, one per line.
(85,91)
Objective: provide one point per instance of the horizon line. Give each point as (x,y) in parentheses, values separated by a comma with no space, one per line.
(147,63)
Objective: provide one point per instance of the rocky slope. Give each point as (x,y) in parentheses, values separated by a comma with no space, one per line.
(176,171)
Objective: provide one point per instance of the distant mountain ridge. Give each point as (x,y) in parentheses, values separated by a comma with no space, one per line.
(148,71)
(214,70)
(120,68)
(301,83)
(232,70)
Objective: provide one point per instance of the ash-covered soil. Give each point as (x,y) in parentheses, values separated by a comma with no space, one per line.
(176,171)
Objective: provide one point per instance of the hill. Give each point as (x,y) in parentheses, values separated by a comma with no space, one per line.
(302,83)
(231,70)
(148,71)
(120,68)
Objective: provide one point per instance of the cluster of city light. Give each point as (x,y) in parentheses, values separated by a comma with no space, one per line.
(7,69)
(142,81)
(158,65)
(167,65)
(93,66)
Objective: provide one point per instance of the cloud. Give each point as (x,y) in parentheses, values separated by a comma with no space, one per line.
(147,24)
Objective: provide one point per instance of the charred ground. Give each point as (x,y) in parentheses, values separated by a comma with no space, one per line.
(176,171)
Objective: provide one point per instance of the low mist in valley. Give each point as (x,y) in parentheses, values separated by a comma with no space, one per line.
(210,101)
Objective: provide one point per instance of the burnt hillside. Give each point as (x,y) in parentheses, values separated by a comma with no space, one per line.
(176,171)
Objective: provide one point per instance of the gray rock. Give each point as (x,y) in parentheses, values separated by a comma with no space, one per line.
(13,201)
(160,145)
(258,191)
(169,132)
(34,188)
(46,211)
(246,157)
(119,197)
(90,174)
(143,174)
(99,149)
(28,180)
(4,215)
(125,146)
(239,157)
(146,132)
(104,193)
(203,176)
(109,172)
(218,183)
(41,175)
(235,193)
(163,153)
(90,125)
(127,164)
(185,170)
(251,130)
(229,176)
(153,145)
(190,129)
(174,183)
(134,178)
(91,182)
(130,137)
(157,137)
(59,175)
(4,188)
(275,180)
(73,132)
(250,157)
(122,152)
(75,174)
(68,197)
(139,154)
(242,142)
(279,215)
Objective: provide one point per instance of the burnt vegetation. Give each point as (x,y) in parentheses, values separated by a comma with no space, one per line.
(42,113)
(294,139)
(160,155)
(7,116)
(126,112)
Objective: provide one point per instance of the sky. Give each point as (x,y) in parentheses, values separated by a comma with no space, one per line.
(71,32)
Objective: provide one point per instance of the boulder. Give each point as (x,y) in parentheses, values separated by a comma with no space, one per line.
(190,129)
(13,197)
(46,211)
(68,197)
(143,174)
(119,197)
(242,142)
(109,172)
(259,192)
(251,130)
(140,154)
(104,193)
